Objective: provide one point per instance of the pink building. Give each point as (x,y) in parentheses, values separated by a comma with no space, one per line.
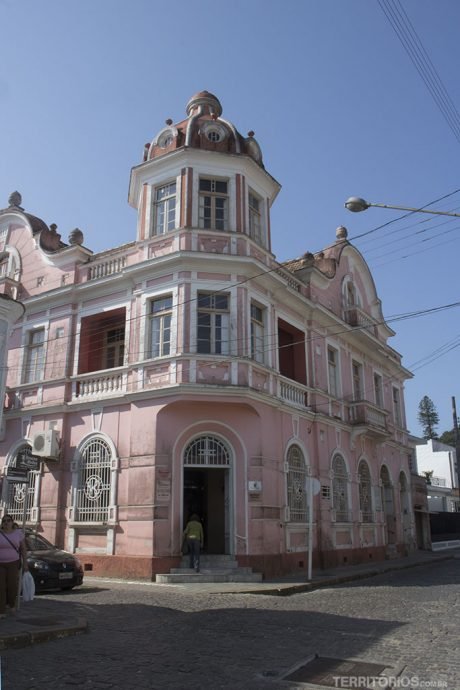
(188,370)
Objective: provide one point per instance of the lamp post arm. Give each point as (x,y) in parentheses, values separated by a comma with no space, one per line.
(416,210)
(355,204)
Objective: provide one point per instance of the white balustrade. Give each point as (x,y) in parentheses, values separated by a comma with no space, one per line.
(94,386)
(292,393)
(107,268)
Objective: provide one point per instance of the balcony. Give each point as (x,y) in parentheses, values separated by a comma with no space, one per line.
(356,317)
(99,384)
(368,419)
(106,268)
(292,393)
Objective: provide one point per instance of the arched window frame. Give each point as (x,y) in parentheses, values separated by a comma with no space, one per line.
(81,511)
(13,493)
(297,471)
(206,450)
(340,489)
(366,511)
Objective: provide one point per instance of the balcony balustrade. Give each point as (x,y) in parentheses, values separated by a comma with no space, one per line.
(106,268)
(374,420)
(358,318)
(99,384)
(293,393)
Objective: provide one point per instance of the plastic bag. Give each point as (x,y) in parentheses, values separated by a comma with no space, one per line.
(28,587)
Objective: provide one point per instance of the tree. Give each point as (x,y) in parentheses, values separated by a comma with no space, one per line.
(428,417)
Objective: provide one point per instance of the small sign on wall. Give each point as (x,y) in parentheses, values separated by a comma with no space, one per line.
(254,487)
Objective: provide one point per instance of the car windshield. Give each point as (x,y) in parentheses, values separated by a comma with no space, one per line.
(36,543)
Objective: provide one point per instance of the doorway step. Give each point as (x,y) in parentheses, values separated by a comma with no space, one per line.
(213,568)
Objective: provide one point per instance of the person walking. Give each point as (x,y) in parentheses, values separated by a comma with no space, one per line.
(193,536)
(13,554)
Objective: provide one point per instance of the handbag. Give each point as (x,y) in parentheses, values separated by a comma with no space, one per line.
(15,548)
(28,587)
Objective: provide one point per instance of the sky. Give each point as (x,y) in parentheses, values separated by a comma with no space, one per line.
(336,104)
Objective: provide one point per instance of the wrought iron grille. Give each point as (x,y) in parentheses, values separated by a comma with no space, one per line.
(17,494)
(93,490)
(297,473)
(206,450)
(365,492)
(340,489)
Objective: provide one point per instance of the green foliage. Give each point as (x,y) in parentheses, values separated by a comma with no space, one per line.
(428,417)
(428,474)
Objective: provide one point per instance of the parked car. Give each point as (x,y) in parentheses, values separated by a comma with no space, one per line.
(51,568)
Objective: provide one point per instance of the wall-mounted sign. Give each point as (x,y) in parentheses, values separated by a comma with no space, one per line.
(24,463)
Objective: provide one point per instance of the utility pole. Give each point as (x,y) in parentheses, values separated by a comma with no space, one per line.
(457,444)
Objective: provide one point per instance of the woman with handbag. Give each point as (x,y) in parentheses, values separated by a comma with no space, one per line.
(12,555)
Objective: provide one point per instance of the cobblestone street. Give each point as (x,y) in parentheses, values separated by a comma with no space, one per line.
(148,636)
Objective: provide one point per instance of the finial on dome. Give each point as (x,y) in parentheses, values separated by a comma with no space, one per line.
(204,103)
(76,237)
(251,133)
(341,233)
(168,121)
(15,199)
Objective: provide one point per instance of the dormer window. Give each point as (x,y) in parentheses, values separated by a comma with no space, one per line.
(213,135)
(164,209)
(213,204)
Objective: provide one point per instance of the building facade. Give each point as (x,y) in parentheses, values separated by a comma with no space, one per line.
(438,462)
(189,371)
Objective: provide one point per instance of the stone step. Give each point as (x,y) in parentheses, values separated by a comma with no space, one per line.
(213,570)
(210,576)
(212,561)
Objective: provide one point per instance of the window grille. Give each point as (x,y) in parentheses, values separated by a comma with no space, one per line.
(296,480)
(365,492)
(93,489)
(17,493)
(340,489)
(207,450)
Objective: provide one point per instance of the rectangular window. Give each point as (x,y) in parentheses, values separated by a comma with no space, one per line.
(255,218)
(357,371)
(397,407)
(114,347)
(213,204)
(35,356)
(257,334)
(378,390)
(160,326)
(165,208)
(213,321)
(333,371)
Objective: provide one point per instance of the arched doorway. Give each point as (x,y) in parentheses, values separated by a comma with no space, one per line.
(207,490)
(388,505)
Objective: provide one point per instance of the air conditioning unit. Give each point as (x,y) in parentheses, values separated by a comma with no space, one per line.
(46,444)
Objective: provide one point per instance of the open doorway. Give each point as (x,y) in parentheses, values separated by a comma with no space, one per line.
(206,493)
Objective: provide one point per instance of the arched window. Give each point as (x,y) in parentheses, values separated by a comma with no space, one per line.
(94,491)
(207,450)
(340,489)
(296,477)
(365,492)
(18,496)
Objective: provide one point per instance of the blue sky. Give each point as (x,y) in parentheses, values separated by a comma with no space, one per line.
(335,102)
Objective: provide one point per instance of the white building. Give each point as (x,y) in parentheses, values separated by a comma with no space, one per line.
(440,460)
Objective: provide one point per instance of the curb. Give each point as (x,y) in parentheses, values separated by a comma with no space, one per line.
(30,637)
(288,590)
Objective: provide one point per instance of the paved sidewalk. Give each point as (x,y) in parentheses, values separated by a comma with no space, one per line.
(46,619)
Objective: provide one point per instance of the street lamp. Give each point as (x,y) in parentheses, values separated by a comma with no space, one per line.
(356,204)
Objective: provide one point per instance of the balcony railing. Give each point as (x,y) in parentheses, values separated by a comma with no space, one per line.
(364,413)
(293,393)
(106,268)
(358,318)
(99,384)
